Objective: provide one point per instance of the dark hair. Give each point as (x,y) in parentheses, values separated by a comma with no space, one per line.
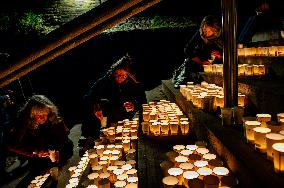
(211,21)
(123,63)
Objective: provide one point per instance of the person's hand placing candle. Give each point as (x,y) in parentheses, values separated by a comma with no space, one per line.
(129,106)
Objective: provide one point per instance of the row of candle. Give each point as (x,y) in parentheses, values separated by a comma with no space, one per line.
(189,163)
(207,96)
(262,51)
(38,181)
(267,137)
(164,119)
(112,163)
(243,69)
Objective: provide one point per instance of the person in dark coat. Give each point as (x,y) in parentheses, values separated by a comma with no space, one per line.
(41,136)
(117,96)
(204,48)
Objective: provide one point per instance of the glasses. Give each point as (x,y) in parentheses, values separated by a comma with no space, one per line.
(120,76)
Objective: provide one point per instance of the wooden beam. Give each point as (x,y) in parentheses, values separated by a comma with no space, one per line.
(73,29)
(77,41)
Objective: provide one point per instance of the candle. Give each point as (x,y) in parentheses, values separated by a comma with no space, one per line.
(278,158)
(202,151)
(259,138)
(170,181)
(186,166)
(209,156)
(186,152)
(272,138)
(200,163)
(191,147)
(249,125)
(119,184)
(184,126)
(132,185)
(280,116)
(132,179)
(180,159)
(176,172)
(132,172)
(221,171)
(204,171)
(174,128)
(263,118)
(178,148)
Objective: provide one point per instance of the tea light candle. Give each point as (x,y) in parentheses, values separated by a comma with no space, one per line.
(132,179)
(221,171)
(184,126)
(280,116)
(92,186)
(209,156)
(263,118)
(204,171)
(176,172)
(259,138)
(170,181)
(122,177)
(278,159)
(191,147)
(180,159)
(126,167)
(126,145)
(104,175)
(202,151)
(98,168)
(165,128)
(93,177)
(132,172)
(200,163)
(249,125)
(174,128)
(272,138)
(132,185)
(186,152)
(178,148)
(186,166)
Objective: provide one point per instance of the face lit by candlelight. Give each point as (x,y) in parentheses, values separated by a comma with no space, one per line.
(208,31)
(120,75)
(40,116)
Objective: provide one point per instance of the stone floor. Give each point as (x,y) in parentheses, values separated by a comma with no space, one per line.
(152,95)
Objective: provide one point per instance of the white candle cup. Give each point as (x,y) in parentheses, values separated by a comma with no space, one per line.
(249,126)
(259,138)
(178,148)
(180,159)
(263,118)
(132,185)
(272,138)
(189,175)
(94,177)
(170,181)
(209,156)
(184,126)
(280,116)
(185,152)
(278,158)
(186,166)
(221,171)
(174,128)
(176,172)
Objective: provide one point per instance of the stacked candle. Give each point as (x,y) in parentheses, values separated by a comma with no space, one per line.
(164,118)
(187,163)
(207,96)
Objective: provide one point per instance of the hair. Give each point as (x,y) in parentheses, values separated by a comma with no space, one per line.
(37,102)
(212,22)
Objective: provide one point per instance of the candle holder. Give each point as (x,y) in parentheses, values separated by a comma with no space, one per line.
(259,138)
(272,138)
(249,126)
(263,119)
(189,175)
(176,172)
(278,158)
(170,181)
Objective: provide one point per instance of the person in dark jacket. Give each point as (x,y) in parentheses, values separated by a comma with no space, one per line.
(204,48)
(117,96)
(42,136)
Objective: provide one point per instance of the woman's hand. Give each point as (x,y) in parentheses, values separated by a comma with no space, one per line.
(129,106)
(99,114)
(216,54)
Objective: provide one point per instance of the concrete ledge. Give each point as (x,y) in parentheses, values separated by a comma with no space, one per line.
(249,166)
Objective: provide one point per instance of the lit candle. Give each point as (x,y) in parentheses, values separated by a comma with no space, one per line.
(184,125)
(202,151)
(174,128)
(132,185)
(186,152)
(249,125)
(263,118)
(221,171)
(170,181)
(204,171)
(178,148)
(259,138)
(278,158)
(272,138)
(280,116)
(132,179)
(191,147)
(186,166)
(200,163)
(176,172)
(209,156)
(180,159)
